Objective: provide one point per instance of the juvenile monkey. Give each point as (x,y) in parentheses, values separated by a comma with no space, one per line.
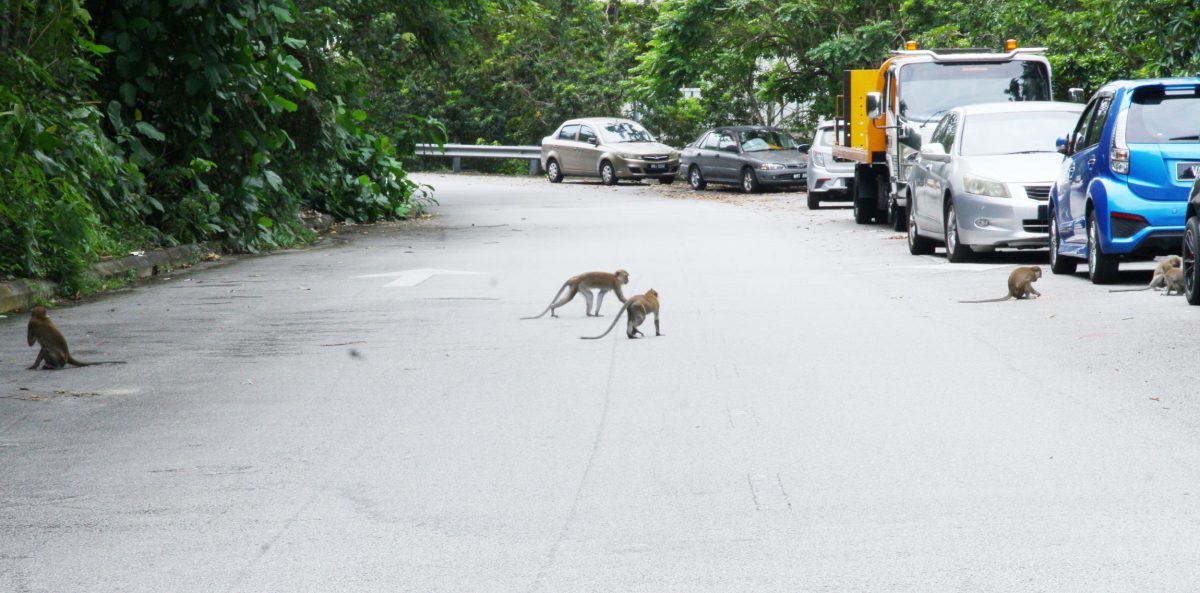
(1160,271)
(1020,284)
(636,310)
(602,281)
(1173,280)
(54,350)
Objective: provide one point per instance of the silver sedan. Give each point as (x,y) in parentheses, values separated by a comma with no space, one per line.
(983,179)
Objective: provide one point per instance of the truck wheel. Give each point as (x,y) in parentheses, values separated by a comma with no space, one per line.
(1102,268)
(1059,263)
(863,213)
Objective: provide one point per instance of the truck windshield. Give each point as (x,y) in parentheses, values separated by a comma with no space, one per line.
(1157,115)
(1015,133)
(929,89)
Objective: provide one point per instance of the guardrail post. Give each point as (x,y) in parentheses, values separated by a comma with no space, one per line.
(535,167)
(456,164)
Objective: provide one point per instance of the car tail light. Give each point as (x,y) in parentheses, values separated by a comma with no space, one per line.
(1127,225)
(1119,153)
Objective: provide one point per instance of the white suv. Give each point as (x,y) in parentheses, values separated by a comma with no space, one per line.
(829,178)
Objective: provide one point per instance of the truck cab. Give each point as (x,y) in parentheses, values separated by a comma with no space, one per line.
(886,114)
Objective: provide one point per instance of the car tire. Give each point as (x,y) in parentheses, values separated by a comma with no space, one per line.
(1191,260)
(750,183)
(917,245)
(696,178)
(1102,268)
(666,180)
(956,252)
(814,201)
(1059,263)
(553,171)
(608,174)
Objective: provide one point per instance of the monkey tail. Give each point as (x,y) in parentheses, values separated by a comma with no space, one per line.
(1129,289)
(989,300)
(616,318)
(552,301)
(79,363)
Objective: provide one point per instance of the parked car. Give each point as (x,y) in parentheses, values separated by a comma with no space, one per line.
(1121,192)
(609,148)
(752,157)
(981,181)
(829,177)
(1191,239)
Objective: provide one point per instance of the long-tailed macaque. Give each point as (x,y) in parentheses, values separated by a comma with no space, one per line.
(1020,284)
(636,310)
(53,352)
(586,283)
(1159,280)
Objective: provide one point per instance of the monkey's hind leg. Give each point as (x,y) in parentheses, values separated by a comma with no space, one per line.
(38,361)
(566,299)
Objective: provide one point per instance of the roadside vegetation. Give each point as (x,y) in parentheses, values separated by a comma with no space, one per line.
(133,124)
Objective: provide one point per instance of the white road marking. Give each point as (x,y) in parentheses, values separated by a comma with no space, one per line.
(410,278)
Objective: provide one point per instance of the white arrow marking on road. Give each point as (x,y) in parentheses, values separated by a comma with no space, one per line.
(410,278)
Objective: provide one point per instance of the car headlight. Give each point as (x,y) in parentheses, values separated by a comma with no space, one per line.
(629,157)
(770,166)
(819,159)
(983,186)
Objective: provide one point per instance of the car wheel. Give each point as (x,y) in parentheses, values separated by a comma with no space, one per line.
(897,216)
(1191,260)
(553,172)
(749,181)
(814,201)
(696,178)
(608,175)
(666,180)
(917,245)
(1102,268)
(956,252)
(1059,264)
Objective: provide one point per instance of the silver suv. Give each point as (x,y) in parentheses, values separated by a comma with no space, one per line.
(609,148)
(829,178)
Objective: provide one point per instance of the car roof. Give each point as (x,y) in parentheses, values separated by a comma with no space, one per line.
(599,120)
(1020,107)
(1133,84)
(746,128)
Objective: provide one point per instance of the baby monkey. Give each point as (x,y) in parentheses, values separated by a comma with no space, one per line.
(636,310)
(54,352)
(1020,284)
(602,281)
(1160,275)
(1173,280)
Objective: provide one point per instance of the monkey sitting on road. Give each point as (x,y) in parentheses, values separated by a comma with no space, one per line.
(636,310)
(1020,284)
(54,350)
(1160,272)
(602,281)
(1173,280)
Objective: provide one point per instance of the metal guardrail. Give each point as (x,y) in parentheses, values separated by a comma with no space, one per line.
(458,152)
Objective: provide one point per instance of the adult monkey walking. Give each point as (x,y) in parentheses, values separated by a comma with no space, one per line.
(636,310)
(602,281)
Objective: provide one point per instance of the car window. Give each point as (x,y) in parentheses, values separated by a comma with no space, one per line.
(939,133)
(568,132)
(824,137)
(625,131)
(725,141)
(951,132)
(710,141)
(1076,139)
(586,134)
(1092,137)
(1158,115)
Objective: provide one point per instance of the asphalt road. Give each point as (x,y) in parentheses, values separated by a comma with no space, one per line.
(821,415)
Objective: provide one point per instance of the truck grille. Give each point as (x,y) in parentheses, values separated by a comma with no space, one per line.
(1038,192)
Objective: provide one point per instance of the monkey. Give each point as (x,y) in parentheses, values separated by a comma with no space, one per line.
(1020,284)
(53,345)
(1173,280)
(602,281)
(1160,271)
(636,310)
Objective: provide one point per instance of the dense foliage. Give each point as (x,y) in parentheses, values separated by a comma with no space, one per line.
(131,123)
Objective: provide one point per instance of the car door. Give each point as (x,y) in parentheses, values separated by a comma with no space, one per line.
(565,143)
(923,195)
(700,153)
(939,172)
(726,158)
(1083,168)
(588,148)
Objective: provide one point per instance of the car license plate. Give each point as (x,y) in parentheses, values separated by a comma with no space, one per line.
(1187,171)
(658,167)
(798,176)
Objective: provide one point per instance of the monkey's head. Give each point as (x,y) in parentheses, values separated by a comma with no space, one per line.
(1037,272)
(652,292)
(38,312)
(622,276)
(1175,261)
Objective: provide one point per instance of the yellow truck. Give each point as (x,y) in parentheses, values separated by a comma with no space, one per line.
(885,114)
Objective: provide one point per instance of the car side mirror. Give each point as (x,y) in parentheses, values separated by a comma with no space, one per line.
(803,148)
(1075,95)
(1060,144)
(593,141)
(874,105)
(934,151)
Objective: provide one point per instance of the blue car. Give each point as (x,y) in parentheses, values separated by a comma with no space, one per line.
(1122,189)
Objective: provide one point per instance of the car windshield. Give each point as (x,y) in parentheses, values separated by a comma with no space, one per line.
(928,90)
(760,140)
(824,137)
(1015,133)
(1157,115)
(625,131)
